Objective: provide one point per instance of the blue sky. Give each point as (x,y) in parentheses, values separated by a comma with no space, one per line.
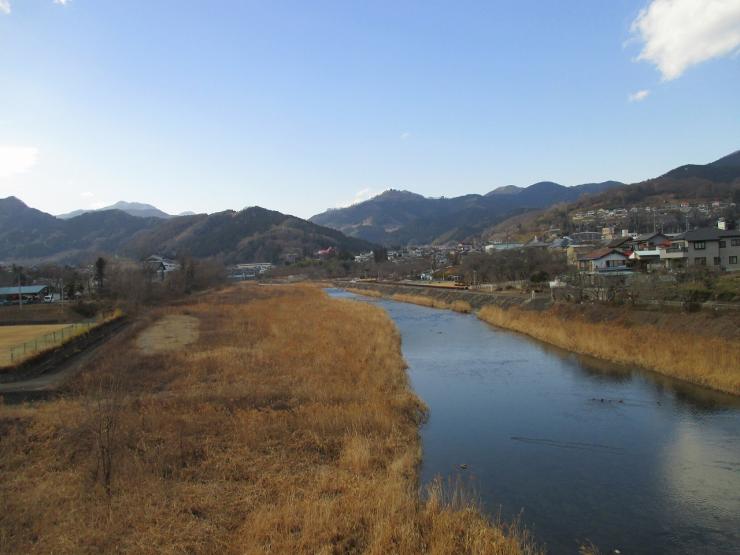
(300,106)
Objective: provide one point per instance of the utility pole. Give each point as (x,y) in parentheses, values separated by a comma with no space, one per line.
(20,293)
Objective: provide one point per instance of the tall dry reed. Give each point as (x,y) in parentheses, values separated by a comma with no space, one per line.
(288,427)
(705,360)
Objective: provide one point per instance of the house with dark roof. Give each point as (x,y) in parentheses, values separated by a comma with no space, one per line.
(712,246)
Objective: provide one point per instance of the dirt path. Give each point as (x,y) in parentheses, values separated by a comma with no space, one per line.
(53,377)
(168,334)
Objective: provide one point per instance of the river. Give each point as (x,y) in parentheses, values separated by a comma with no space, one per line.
(579,450)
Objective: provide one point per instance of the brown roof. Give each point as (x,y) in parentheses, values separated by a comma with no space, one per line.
(600,253)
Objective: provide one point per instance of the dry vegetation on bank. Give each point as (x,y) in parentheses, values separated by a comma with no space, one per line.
(431,302)
(287,427)
(692,347)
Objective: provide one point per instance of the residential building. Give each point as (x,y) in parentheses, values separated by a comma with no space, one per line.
(603,260)
(714,247)
(29,293)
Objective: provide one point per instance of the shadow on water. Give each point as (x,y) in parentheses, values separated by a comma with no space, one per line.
(693,396)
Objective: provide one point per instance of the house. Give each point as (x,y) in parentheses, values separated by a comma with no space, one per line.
(650,241)
(29,293)
(625,242)
(586,237)
(674,254)
(161,265)
(714,247)
(241,272)
(646,250)
(603,260)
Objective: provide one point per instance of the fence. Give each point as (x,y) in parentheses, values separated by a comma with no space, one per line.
(47,341)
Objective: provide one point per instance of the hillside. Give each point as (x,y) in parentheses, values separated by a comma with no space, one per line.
(248,235)
(691,184)
(402,217)
(28,235)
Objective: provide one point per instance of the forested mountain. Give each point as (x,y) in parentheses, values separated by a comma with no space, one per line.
(29,234)
(253,234)
(694,184)
(402,217)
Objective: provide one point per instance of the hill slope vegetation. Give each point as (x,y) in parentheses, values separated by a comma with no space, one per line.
(252,234)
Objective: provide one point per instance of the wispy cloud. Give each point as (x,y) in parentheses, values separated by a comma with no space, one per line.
(677,34)
(639,96)
(5,5)
(405,135)
(17,159)
(87,194)
(360,196)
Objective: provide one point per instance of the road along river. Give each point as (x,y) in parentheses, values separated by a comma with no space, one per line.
(579,449)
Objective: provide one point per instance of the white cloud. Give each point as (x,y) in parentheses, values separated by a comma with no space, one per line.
(405,135)
(360,196)
(17,159)
(87,194)
(678,34)
(5,5)
(639,96)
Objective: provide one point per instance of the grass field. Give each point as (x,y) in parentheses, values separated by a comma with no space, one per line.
(287,426)
(37,338)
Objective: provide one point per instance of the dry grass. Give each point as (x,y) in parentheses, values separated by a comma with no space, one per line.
(457,306)
(711,361)
(431,302)
(169,333)
(38,338)
(288,427)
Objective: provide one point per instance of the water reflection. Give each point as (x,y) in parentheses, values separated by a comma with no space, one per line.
(582,449)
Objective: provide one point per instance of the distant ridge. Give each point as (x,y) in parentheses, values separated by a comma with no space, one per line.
(402,217)
(137,209)
(249,235)
(723,170)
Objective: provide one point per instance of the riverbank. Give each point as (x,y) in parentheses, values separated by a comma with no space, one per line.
(263,432)
(702,348)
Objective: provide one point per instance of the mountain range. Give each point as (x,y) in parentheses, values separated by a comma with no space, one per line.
(394,217)
(28,235)
(401,217)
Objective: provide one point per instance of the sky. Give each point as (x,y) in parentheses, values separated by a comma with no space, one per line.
(302,106)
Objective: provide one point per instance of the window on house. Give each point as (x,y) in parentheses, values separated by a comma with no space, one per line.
(700,261)
(722,244)
(700,245)
(733,260)
(735,242)
(717,261)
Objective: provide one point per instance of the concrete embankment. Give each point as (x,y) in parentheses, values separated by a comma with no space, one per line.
(702,348)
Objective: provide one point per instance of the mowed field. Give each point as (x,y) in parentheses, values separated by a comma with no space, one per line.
(41,337)
(272,420)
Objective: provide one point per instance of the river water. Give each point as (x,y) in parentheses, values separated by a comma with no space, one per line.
(578,449)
